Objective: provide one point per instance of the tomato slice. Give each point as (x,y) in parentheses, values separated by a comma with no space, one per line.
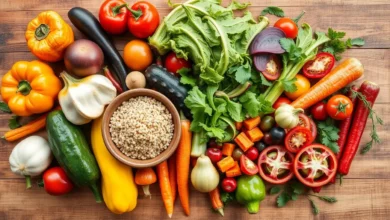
(275,164)
(247,166)
(297,138)
(315,165)
(304,121)
(313,128)
(273,69)
(320,66)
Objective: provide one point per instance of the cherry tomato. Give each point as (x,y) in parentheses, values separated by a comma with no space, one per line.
(247,166)
(281,100)
(297,138)
(113,16)
(302,84)
(320,66)
(260,146)
(267,122)
(304,121)
(275,164)
(252,153)
(267,139)
(273,69)
(229,184)
(144,19)
(56,182)
(174,63)
(213,143)
(318,111)
(214,154)
(339,107)
(277,134)
(313,129)
(288,26)
(237,153)
(315,165)
(137,55)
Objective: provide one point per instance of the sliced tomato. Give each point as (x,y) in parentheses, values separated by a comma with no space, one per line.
(247,166)
(315,165)
(304,121)
(298,138)
(313,128)
(275,164)
(273,69)
(320,66)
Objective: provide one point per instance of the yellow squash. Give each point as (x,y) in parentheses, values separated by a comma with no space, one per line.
(119,190)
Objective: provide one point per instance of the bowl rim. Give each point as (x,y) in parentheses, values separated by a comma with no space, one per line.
(112,107)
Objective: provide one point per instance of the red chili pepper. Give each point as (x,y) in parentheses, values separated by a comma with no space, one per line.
(108,74)
(113,16)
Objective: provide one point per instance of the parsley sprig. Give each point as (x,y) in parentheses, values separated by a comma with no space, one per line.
(337,45)
(273,10)
(328,134)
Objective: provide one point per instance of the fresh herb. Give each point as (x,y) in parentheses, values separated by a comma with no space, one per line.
(254,105)
(186,77)
(272,10)
(337,45)
(328,134)
(13,122)
(227,198)
(375,119)
(289,85)
(314,207)
(275,190)
(4,107)
(327,199)
(283,198)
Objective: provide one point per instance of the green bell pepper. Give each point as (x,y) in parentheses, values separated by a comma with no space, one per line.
(250,192)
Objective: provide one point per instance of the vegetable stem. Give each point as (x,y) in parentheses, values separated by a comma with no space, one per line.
(24,87)
(146,190)
(28,182)
(116,10)
(296,20)
(96,193)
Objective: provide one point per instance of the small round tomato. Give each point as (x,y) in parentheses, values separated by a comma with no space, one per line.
(252,153)
(275,164)
(247,166)
(302,84)
(237,153)
(174,63)
(267,122)
(229,184)
(281,100)
(304,121)
(319,67)
(297,138)
(267,139)
(144,19)
(56,182)
(288,26)
(318,111)
(273,68)
(339,107)
(277,134)
(137,55)
(214,154)
(260,146)
(315,165)
(213,143)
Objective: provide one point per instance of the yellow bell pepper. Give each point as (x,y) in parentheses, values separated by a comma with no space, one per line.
(119,190)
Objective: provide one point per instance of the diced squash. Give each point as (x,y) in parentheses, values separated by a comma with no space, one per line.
(238,125)
(243,141)
(228,148)
(255,134)
(225,164)
(234,171)
(251,123)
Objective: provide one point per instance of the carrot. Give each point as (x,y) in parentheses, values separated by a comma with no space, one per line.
(183,164)
(234,171)
(216,201)
(243,141)
(225,164)
(362,110)
(255,134)
(228,149)
(145,177)
(172,175)
(238,125)
(251,123)
(348,71)
(165,187)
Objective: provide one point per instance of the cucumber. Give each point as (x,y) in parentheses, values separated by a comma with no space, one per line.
(70,148)
(159,78)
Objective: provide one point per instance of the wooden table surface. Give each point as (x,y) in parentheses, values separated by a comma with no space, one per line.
(365,193)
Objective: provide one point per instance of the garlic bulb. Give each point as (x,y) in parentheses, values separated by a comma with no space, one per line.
(204,176)
(287,117)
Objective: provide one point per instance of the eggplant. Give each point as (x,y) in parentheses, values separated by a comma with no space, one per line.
(159,78)
(86,22)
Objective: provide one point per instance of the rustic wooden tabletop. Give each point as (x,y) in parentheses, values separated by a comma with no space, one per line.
(365,193)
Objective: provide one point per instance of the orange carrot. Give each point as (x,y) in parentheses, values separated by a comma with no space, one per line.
(243,141)
(345,73)
(165,187)
(216,201)
(255,134)
(172,175)
(225,164)
(238,125)
(145,177)
(228,149)
(183,164)
(251,123)
(234,171)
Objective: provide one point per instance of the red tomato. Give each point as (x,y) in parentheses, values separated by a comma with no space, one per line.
(229,184)
(318,111)
(275,164)
(274,68)
(315,165)
(267,139)
(214,154)
(299,137)
(339,107)
(281,100)
(144,19)
(252,153)
(56,182)
(247,166)
(320,66)
(302,84)
(288,26)
(174,63)
(313,129)
(304,121)
(113,16)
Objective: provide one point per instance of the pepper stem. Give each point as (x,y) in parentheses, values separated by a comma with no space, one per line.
(24,87)
(253,207)
(117,9)
(296,20)
(28,182)
(42,31)
(145,188)
(136,13)
(96,193)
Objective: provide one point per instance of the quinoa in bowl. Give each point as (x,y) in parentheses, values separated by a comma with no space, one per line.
(141,127)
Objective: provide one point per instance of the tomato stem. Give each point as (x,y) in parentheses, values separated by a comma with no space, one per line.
(136,13)
(341,107)
(117,9)
(296,20)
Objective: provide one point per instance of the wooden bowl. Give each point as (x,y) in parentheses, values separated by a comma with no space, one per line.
(111,145)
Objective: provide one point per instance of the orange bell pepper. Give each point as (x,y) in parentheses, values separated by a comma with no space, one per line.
(30,88)
(48,35)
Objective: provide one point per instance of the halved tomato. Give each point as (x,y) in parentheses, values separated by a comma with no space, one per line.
(247,166)
(273,68)
(313,128)
(304,121)
(275,164)
(320,66)
(298,138)
(315,165)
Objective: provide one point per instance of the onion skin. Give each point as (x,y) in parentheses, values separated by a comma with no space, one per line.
(83,58)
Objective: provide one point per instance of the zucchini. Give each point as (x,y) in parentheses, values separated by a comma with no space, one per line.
(159,78)
(86,22)
(70,148)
